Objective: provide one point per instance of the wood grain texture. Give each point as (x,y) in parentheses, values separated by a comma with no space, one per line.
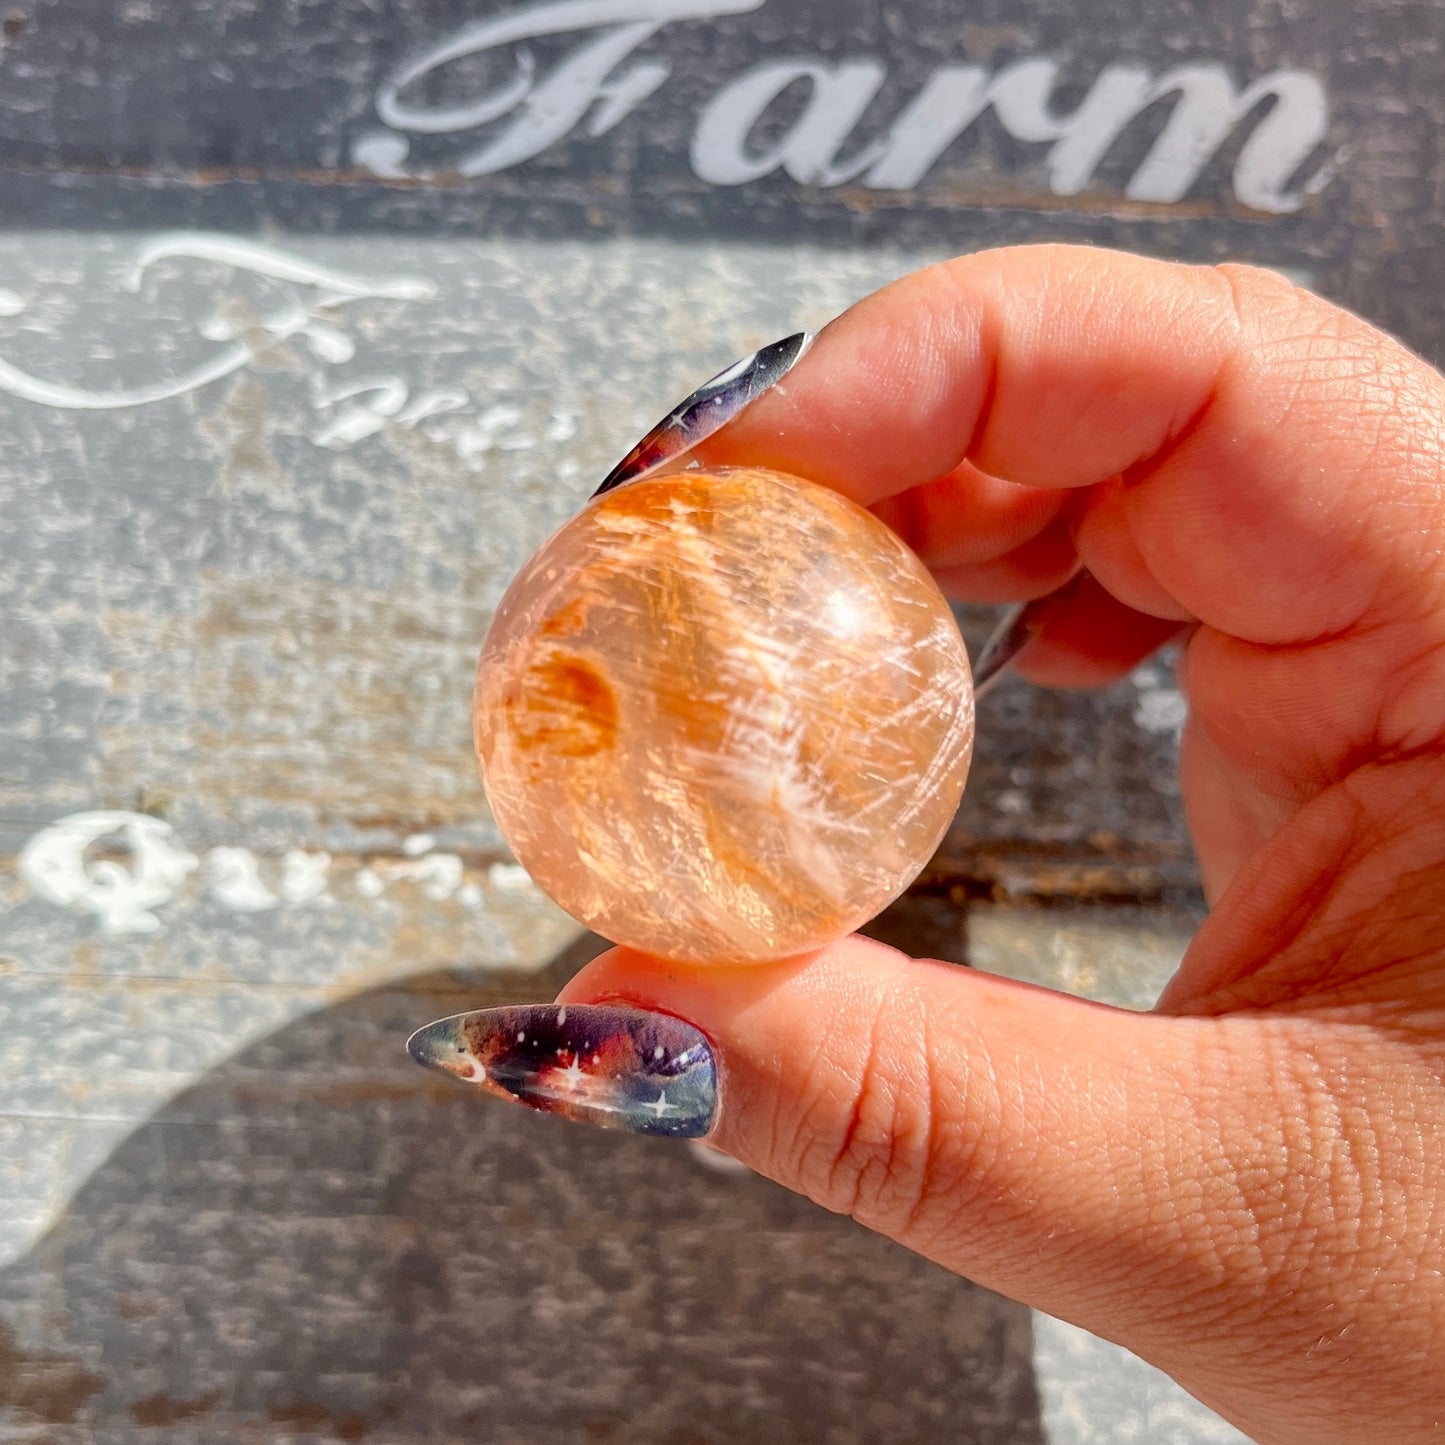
(252,529)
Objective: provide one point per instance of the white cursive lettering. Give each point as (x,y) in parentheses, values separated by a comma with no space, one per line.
(1207,109)
(1287,111)
(332,289)
(809,151)
(546,110)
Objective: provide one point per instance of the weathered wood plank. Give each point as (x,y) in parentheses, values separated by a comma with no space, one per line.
(260,489)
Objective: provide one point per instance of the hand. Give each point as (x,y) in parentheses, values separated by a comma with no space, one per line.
(1246,1187)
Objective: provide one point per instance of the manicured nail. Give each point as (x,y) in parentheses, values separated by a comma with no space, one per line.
(710,408)
(618,1068)
(1016,629)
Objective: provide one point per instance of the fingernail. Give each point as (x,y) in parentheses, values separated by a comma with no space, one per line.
(710,408)
(617,1068)
(1016,629)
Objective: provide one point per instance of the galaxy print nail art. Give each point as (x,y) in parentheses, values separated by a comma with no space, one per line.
(617,1068)
(708,409)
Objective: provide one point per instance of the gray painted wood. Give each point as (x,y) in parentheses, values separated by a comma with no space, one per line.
(242,845)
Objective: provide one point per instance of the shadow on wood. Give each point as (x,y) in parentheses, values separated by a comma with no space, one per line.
(321,1242)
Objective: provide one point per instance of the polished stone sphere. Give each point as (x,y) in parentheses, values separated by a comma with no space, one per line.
(724,716)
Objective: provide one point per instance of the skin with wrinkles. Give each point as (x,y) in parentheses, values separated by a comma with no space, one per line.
(1246,1186)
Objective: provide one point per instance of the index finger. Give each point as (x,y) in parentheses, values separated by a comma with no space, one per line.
(1280,454)
(998,358)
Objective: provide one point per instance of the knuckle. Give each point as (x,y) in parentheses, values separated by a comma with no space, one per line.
(874,1136)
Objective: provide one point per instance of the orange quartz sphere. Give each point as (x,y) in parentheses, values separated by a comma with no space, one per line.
(724,716)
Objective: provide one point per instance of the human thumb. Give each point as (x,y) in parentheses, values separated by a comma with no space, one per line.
(1001,1129)
(1141,1175)
(1204,1189)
